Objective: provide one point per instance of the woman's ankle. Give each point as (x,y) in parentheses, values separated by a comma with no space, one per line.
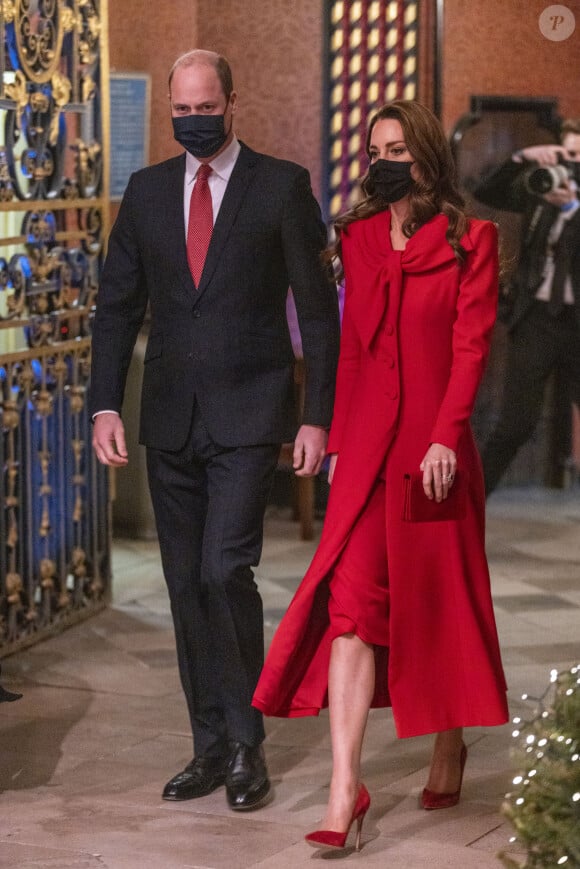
(448,743)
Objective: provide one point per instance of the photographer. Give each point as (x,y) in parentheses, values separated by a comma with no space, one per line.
(541,304)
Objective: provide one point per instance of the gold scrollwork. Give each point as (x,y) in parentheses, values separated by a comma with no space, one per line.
(49,269)
(26,377)
(47,574)
(10,416)
(89,164)
(90,32)
(68,19)
(77,400)
(39,34)
(18,91)
(88,88)
(12,538)
(14,589)
(43,402)
(8,10)
(59,370)
(61,92)
(39,102)
(15,301)
(92,223)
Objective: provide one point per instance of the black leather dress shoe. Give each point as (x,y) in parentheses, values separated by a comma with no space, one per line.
(247,782)
(199,778)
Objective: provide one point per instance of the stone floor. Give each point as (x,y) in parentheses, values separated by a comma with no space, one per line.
(102,725)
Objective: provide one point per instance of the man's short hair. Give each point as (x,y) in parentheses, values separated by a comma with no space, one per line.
(209,58)
(570,125)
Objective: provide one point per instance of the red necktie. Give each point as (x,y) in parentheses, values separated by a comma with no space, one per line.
(200,223)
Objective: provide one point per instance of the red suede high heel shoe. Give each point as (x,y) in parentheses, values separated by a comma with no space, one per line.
(433,800)
(331,839)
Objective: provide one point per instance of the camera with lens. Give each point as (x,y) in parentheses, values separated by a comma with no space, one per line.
(544,179)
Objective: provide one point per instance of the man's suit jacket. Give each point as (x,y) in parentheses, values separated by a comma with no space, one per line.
(505,190)
(224,344)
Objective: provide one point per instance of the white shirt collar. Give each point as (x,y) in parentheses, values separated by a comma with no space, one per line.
(222,165)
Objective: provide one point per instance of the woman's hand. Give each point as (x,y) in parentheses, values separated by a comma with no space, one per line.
(438,466)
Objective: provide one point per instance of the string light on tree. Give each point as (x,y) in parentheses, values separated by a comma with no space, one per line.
(544,805)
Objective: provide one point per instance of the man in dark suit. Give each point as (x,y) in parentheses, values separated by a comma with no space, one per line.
(541,306)
(218,394)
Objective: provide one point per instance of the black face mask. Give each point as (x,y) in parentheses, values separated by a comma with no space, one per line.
(390,179)
(201,135)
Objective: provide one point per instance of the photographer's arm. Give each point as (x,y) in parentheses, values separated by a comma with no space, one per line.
(564,197)
(502,188)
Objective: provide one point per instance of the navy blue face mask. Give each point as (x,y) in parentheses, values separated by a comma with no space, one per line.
(390,179)
(201,135)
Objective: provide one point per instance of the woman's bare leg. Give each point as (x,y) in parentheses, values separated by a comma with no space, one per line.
(445,771)
(351,683)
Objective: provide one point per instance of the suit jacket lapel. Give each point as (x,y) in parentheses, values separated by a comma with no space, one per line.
(170,207)
(233,198)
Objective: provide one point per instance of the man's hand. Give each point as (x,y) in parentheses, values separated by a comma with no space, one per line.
(544,155)
(309,450)
(109,439)
(562,195)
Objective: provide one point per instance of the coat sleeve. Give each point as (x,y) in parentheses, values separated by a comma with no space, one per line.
(472,331)
(315,297)
(120,311)
(349,359)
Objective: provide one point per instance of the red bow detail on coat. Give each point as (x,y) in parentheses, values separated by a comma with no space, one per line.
(376,287)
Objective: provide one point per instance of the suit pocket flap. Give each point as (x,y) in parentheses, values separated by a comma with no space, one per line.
(154,347)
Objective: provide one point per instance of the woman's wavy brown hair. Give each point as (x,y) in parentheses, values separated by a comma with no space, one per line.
(436,193)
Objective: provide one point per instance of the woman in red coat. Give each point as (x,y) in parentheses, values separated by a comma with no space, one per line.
(395,609)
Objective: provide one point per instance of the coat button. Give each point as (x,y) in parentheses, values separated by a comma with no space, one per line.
(392,393)
(197,314)
(388,329)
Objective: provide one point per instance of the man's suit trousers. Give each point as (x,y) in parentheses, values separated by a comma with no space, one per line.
(209,505)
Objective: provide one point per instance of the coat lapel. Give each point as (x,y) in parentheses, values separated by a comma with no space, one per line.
(233,198)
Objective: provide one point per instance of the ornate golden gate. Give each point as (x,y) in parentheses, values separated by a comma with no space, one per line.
(54,516)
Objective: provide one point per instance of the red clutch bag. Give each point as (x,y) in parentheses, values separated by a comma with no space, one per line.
(418,508)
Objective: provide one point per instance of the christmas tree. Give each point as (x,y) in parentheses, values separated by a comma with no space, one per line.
(544,806)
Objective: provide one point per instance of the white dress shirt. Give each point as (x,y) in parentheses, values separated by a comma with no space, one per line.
(544,292)
(222,168)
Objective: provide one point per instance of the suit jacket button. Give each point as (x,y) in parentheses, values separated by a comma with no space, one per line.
(196,314)
(388,329)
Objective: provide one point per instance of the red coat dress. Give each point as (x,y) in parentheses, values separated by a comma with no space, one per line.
(416,335)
